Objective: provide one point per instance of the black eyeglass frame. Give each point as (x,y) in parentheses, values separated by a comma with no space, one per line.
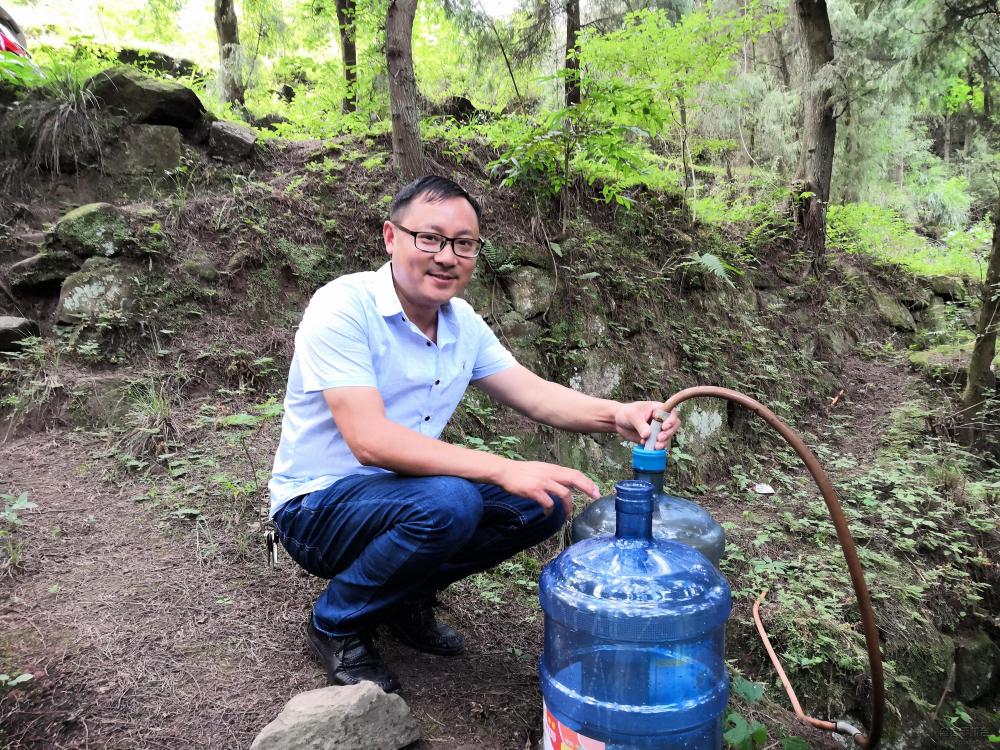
(444,241)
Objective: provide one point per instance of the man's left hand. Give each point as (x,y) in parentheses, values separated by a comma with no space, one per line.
(632,422)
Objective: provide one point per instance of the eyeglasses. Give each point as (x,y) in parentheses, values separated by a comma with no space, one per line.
(429,242)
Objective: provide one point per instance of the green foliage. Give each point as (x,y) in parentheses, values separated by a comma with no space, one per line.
(10,549)
(18,71)
(8,683)
(639,84)
(883,234)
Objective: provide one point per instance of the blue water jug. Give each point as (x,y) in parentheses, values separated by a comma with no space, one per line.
(634,639)
(674,518)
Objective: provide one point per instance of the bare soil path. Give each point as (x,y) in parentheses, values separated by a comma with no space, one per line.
(137,644)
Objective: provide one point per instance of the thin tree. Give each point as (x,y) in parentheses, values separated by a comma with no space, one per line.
(406,148)
(572,61)
(346,13)
(227,29)
(811,187)
(980,381)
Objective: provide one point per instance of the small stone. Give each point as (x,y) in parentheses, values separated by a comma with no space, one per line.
(359,717)
(200,266)
(13,330)
(231,142)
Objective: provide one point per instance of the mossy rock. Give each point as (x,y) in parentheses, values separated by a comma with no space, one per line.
(949,287)
(96,229)
(145,148)
(892,312)
(601,373)
(101,291)
(200,266)
(147,100)
(44,271)
(530,290)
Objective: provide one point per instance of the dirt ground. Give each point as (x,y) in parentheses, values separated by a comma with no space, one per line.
(137,640)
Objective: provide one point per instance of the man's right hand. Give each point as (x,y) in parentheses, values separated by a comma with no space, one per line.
(541,481)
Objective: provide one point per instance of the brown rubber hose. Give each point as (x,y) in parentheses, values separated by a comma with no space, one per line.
(871,740)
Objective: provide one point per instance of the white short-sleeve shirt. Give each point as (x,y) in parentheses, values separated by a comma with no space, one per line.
(354,333)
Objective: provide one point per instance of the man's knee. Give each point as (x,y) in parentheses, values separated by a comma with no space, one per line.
(449,508)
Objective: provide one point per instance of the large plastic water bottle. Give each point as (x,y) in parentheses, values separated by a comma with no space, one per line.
(674,517)
(634,639)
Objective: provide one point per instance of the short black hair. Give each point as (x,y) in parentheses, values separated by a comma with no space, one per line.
(433,189)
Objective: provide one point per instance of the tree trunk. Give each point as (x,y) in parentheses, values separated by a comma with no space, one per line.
(811,189)
(346,10)
(947,139)
(782,59)
(572,62)
(227,29)
(981,379)
(406,148)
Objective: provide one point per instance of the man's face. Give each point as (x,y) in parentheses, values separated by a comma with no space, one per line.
(428,280)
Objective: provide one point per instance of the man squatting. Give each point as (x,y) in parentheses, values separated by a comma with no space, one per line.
(371,499)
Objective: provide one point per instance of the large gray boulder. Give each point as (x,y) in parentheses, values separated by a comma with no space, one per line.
(358,717)
(147,100)
(101,291)
(145,148)
(977,666)
(231,142)
(530,290)
(92,230)
(14,329)
(891,311)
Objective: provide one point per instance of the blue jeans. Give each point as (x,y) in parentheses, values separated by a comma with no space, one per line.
(384,538)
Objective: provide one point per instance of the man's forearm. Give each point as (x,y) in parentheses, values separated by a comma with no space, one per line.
(566,409)
(391,446)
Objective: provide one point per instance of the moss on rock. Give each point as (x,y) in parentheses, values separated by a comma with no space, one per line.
(96,229)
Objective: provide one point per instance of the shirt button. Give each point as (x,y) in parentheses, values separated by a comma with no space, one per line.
(437,382)
(427,419)
(428,343)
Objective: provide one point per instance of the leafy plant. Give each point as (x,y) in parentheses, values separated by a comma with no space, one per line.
(10,549)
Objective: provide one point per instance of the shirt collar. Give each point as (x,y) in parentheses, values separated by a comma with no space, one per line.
(388,305)
(386,300)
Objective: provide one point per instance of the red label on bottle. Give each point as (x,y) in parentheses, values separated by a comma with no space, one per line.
(558,736)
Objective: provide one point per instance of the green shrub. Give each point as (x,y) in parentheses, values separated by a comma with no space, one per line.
(882,234)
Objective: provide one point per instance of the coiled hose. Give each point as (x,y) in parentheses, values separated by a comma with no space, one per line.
(871,740)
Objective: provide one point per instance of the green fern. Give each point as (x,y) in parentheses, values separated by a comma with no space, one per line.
(712,264)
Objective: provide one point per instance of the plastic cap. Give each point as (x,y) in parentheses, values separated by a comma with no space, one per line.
(647,460)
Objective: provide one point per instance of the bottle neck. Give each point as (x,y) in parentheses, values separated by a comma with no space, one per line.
(655,478)
(631,525)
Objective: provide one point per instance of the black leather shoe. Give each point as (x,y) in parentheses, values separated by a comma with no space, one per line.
(414,624)
(351,659)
